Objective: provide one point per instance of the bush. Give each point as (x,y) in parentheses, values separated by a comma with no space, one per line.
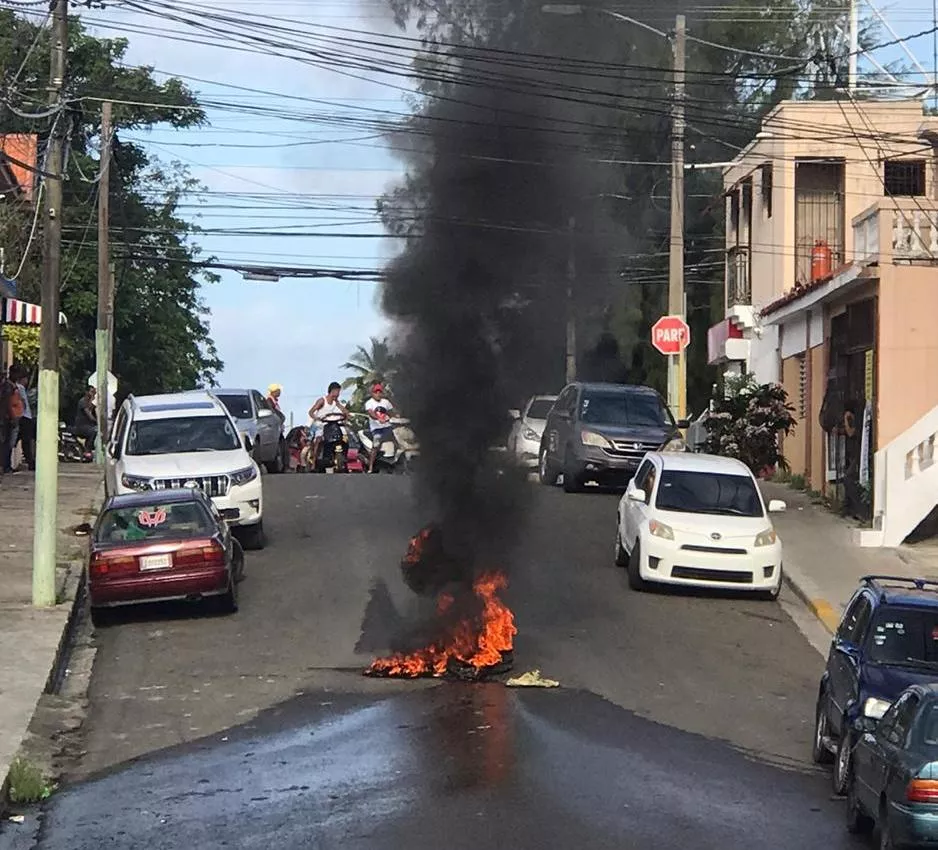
(746,422)
(27,784)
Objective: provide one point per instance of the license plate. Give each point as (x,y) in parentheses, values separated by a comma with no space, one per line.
(156,562)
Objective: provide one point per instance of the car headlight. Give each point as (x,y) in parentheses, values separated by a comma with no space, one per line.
(530,434)
(659,529)
(875,707)
(675,445)
(243,476)
(766,538)
(135,482)
(588,438)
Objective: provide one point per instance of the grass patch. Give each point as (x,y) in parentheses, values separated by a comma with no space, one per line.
(27,784)
(797,482)
(782,476)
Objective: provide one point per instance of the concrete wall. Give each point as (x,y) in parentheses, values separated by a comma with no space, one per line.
(907,356)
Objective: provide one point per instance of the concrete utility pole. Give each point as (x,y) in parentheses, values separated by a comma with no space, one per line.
(105,292)
(47,434)
(854,45)
(570,359)
(677,365)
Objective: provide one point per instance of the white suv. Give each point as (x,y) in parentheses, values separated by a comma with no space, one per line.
(161,442)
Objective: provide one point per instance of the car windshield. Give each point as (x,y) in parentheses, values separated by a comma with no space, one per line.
(638,410)
(539,408)
(238,406)
(150,522)
(182,434)
(708,493)
(905,636)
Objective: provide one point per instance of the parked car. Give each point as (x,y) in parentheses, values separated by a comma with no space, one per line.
(162,546)
(163,442)
(264,426)
(601,432)
(698,520)
(892,783)
(524,439)
(886,641)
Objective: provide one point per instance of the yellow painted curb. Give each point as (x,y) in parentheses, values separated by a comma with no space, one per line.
(825,612)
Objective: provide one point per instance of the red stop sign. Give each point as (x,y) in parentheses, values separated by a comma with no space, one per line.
(670,335)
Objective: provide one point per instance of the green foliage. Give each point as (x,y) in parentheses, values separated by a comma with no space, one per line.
(27,783)
(797,482)
(369,365)
(25,342)
(162,337)
(746,422)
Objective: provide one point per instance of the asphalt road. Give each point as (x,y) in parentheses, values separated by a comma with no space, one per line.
(684,719)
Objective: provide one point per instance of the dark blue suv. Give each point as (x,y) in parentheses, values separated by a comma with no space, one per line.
(886,641)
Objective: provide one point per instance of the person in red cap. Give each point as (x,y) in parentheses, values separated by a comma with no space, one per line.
(379,410)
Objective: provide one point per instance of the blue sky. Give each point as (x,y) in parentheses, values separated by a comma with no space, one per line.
(296,332)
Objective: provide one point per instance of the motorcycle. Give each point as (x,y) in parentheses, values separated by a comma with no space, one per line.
(334,446)
(72,448)
(395,455)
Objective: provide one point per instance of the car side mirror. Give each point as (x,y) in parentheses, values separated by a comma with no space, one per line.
(683,423)
(637,495)
(777,506)
(264,413)
(514,414)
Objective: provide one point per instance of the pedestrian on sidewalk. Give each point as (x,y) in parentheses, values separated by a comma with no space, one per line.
(27,425)
(7,391)
(14,408)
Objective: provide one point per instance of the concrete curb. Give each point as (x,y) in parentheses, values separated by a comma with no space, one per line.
(820,607)
(72,592)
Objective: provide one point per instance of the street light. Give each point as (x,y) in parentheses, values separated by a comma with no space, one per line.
(677,365)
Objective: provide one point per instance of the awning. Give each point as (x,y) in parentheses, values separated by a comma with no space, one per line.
(16,312)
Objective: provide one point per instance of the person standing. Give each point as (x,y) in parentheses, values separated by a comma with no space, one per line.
(379,410)
(27,424)
(9,405)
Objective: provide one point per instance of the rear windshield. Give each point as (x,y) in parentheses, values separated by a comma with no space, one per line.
(708,493)
(638,410)
(151,522)
(180,435)
(539,408)
(905,636)
(238,406)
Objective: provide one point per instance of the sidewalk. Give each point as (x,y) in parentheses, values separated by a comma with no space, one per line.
(29,638)
(824,565)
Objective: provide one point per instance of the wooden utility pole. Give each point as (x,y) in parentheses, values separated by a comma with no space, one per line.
(677,364)
(105,292)
(45,502)
(570,359)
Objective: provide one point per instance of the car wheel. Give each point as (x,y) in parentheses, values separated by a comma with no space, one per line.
(544,470)
(773,594)
(636,582)
(858,822)
(622,557)
(238,560)
(842,764)
(819,753)
(100,617)
(276,466)
(228,603)
(253,537)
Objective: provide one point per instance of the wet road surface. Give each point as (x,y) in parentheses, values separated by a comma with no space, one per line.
(729,682)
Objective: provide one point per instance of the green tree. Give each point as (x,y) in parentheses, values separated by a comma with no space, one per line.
(369,365)
(162,338)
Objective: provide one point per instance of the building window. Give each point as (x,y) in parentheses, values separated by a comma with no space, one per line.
(904,178)
(746,214)
(734,216)
(767,178)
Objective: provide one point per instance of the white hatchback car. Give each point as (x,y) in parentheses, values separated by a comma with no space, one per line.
(698,520)
(163,442)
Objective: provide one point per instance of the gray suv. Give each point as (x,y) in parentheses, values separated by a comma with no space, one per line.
(601,432)
(262,425)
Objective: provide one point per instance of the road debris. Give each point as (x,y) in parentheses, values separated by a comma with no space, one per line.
(532,679)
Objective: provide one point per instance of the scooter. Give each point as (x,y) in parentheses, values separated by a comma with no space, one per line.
(334,446)
(395,455)
(72,448)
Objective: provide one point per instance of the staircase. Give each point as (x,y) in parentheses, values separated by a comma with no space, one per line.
(905,484)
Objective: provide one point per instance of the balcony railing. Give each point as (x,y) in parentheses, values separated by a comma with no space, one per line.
(901,229)
(738,285)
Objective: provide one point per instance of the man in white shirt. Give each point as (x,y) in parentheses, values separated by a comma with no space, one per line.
(379,410)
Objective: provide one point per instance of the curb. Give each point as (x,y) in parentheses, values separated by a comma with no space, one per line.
(821,608)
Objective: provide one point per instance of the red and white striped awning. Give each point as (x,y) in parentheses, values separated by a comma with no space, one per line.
(16,312)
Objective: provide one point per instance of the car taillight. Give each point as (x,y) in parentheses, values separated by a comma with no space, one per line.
(922,791)
(202,553)
(104,564)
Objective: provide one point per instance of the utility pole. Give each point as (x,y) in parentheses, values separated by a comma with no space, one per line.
(854,46)
(45,502)
(570,360)
(105,293)
(677,365)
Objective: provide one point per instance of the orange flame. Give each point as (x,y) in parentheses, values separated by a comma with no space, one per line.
(478,643)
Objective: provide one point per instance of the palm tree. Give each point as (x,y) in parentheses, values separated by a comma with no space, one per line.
(377,364)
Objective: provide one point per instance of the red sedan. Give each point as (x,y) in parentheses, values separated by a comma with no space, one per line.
(161,546)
